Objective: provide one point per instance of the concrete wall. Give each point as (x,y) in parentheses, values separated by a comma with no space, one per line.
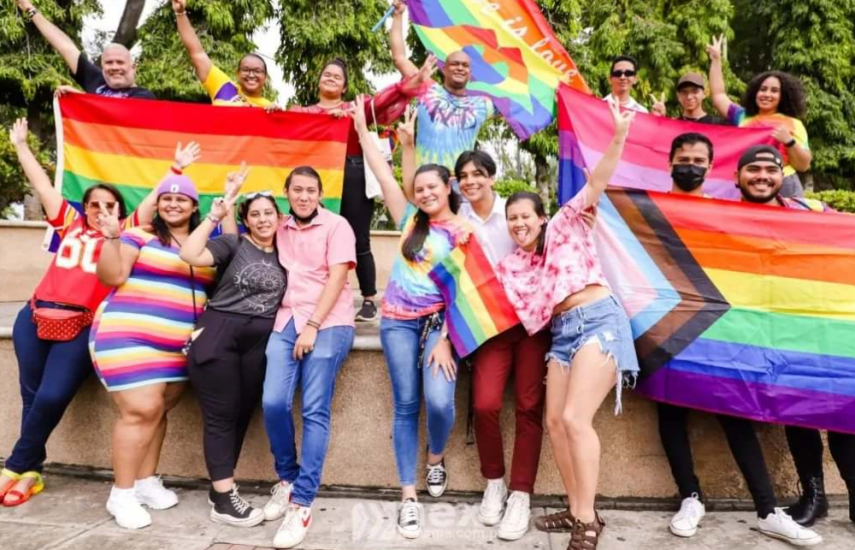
(360,454)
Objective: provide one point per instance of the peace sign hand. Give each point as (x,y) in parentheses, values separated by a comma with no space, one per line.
(234,182)
(357,111)
(623,120)
(426,72)
(108,221)
(714,49)
(407,129)
(658,108)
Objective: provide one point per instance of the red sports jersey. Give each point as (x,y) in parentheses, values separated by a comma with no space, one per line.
(71,277)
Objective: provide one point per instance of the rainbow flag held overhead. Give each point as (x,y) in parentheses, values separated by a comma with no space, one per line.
(476,306)
(736,308)
(585,129)
(516,58)
(130,143)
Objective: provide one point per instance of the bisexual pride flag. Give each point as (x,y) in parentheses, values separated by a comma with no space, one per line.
(736,308)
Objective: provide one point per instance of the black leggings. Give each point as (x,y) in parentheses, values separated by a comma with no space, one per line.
(358,211)
(806,447)
(226,364)
(744,446)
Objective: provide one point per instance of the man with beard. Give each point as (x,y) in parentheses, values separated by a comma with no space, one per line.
(116,76)
(760,180)
(690,160)
(449,119)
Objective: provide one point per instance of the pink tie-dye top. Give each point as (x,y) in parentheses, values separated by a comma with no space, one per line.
(536,284)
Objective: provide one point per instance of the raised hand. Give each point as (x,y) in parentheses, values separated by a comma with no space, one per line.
(400,8)
(108,221)
(179,6)
(186,156)
(714,49)
(407,128)
(358,113)
(426,72)
(18,133)
(658,108)
(234,182)
(623,120)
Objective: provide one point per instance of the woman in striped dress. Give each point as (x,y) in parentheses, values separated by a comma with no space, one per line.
(138,336)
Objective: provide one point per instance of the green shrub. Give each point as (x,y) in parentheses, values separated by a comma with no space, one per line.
(505,188)
(838,199)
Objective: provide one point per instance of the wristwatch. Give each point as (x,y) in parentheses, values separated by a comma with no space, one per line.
(790,143)
(31,12)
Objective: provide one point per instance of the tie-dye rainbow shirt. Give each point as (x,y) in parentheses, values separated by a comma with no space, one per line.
(448,124)
(411,293)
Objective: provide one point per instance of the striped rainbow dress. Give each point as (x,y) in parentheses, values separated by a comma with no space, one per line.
(141,327)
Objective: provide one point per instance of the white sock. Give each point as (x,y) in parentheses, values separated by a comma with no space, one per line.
(119,493)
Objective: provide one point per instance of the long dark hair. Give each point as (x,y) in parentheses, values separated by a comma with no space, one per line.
(537,202)
(123,211)
(792,101)
(243,209)
(415,241)
(161,229)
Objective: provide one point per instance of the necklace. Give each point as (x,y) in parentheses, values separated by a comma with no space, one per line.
(263,248)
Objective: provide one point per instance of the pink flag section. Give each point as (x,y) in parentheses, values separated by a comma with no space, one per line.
(585,131)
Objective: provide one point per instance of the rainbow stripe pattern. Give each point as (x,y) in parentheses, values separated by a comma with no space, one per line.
(585,129)
(516,59)
(141,327)
(737,309)
(476,306)
(130,143)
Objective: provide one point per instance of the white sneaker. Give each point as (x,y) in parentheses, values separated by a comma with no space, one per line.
(151,492)
(493,502)
(410,519)
(294,527)
(517,516)
(781,526)
(685,522)
(124,506)
(436,479)
(280,498)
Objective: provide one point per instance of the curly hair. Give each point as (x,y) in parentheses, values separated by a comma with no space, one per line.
(792,94)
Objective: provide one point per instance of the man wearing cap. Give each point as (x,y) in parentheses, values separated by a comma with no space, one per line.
(690,95)
(115,77)
(760,177)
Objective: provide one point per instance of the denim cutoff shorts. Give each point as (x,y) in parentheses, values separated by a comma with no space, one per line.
(605,323)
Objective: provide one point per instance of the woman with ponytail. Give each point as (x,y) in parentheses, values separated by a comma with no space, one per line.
(412,329)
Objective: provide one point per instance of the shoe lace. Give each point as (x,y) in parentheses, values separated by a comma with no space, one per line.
(688,507)
(493,491)
(278,492)
(409,513)
(238,502)
(515,508)
(436,474)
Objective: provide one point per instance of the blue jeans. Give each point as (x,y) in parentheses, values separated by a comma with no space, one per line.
(316,374)
(400,340)
(50,373)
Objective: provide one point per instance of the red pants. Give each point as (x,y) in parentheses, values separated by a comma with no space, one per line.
(512,351)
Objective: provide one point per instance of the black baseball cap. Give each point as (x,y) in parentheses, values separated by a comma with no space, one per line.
(765,153)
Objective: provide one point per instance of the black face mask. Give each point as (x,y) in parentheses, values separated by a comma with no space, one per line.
(688,177)
(307,219)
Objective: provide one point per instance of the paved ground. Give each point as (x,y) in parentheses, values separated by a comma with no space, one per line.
(70,515)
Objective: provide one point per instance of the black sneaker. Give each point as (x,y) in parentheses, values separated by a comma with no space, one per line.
(368,311)
(436,479)
(231,508)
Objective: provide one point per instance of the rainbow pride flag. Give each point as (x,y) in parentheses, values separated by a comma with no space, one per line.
(476,306)
(585,129)
(130,143)
(738,309)
(516,59)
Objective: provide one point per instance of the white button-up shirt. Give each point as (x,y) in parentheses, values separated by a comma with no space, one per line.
(632,104)
(492,233)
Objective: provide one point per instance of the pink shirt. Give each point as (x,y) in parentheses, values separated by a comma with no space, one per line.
(536,284)
(307,254)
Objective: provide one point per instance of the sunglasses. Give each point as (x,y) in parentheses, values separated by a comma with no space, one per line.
(618,74)
(266,193)
(97,205)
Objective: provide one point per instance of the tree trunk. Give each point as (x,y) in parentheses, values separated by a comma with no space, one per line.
(541,176)
(126,33)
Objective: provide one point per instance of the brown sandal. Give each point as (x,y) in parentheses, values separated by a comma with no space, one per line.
(581,539)
(558,522)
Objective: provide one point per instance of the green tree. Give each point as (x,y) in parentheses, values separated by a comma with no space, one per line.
(225,28)
(314,32)
(815,41)
(30,71)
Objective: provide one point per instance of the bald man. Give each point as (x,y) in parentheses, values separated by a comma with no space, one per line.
(448,117)
(116,76)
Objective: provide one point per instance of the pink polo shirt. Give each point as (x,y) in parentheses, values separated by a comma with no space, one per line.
(307,254)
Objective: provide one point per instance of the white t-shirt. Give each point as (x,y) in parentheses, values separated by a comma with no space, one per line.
(492,233)
(632,104)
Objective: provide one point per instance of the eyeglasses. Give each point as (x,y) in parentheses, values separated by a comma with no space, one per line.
(618,74)
(98,205)
(252,71)
(265,193)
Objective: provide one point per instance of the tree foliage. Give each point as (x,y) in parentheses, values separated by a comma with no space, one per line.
(314,32)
